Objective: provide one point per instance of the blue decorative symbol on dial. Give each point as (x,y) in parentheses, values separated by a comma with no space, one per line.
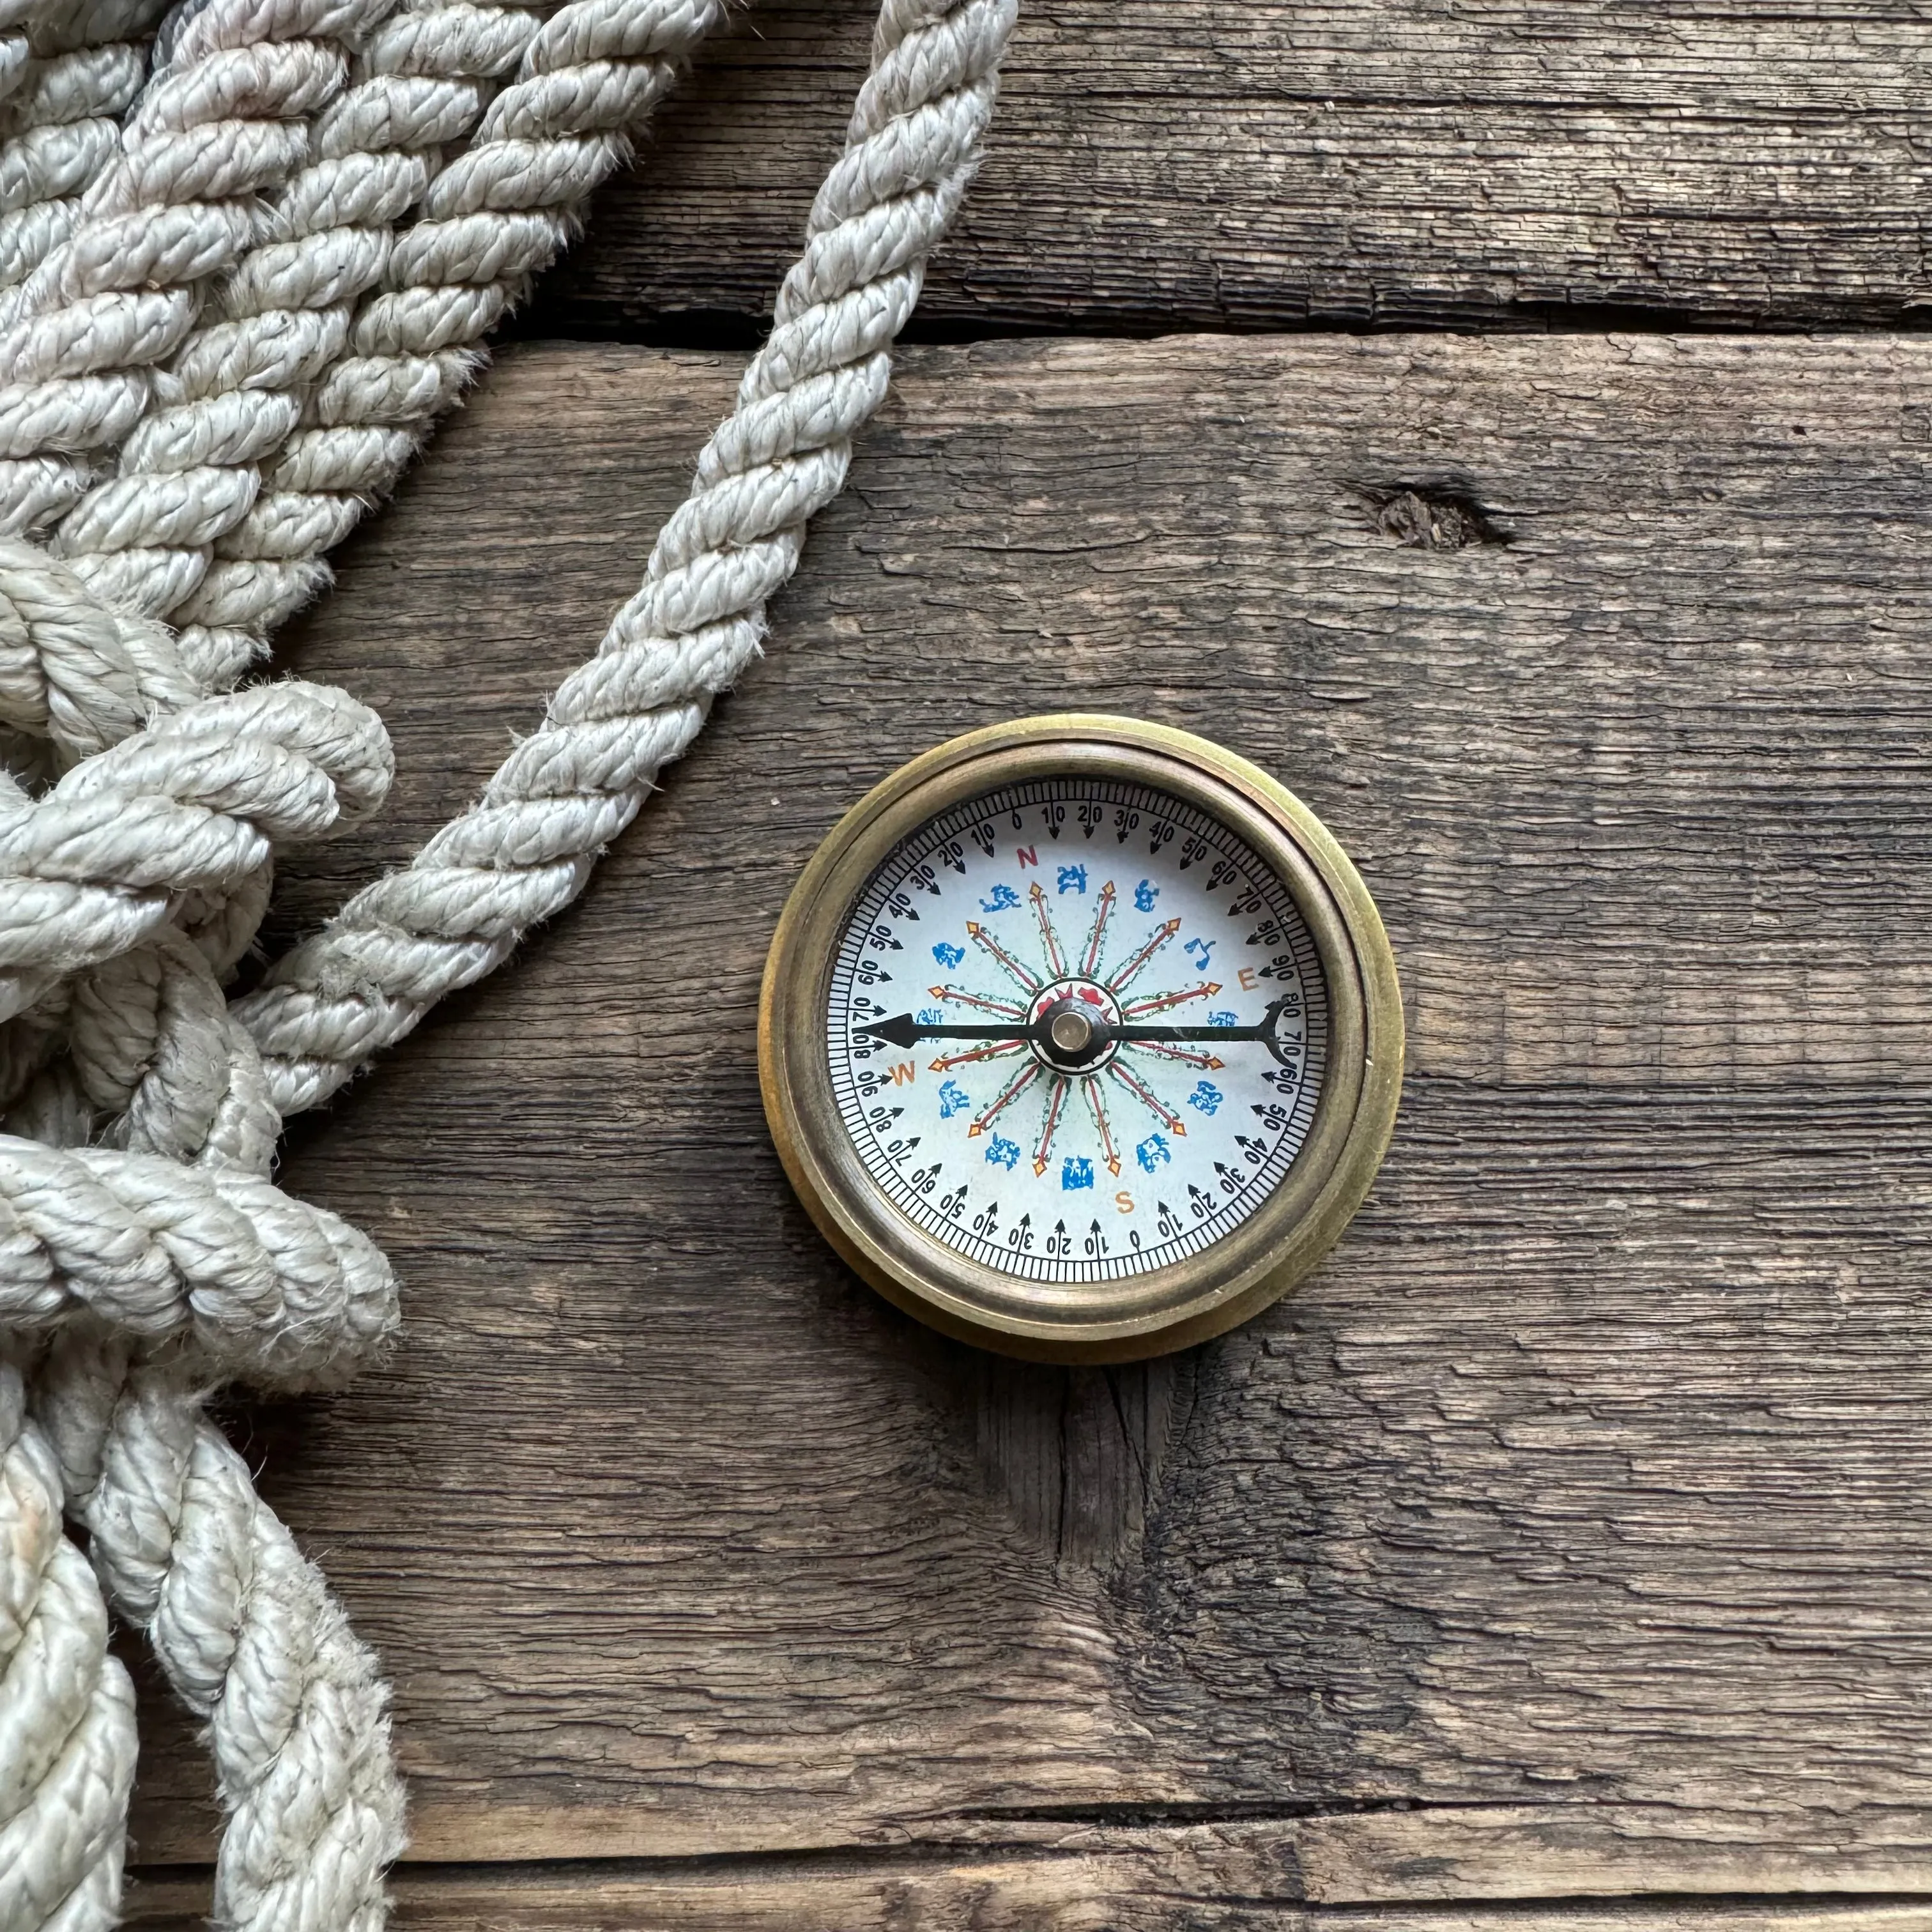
(1206,1096)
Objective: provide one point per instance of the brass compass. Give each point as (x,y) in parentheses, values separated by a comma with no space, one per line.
(1081,1038)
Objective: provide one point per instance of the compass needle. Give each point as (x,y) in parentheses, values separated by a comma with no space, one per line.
(1152,1078)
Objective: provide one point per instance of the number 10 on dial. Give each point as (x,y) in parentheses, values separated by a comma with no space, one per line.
(1081,1039)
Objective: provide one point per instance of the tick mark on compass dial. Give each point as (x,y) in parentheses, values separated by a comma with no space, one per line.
(1077,1029)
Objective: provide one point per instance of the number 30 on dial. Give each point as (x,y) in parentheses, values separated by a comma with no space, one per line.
(1081,1039)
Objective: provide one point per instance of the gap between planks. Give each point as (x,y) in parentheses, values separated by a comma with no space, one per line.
(1271,164)
(936,1889)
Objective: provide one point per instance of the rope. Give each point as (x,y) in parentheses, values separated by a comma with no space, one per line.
(525,850)
(164,1258)
(66,1709)
(341,337)
(68,74)
(143,1250)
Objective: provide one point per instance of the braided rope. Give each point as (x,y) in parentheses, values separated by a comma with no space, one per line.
(149,1273)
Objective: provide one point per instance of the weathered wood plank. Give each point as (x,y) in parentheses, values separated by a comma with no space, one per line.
(1223,1880)
(1158,164)
(1578,1502)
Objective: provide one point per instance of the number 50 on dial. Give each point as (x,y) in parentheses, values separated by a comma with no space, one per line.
(1081,1039)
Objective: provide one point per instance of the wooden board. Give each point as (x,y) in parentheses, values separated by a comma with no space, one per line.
(1567,1535)
(1339,163)
(1228,1888)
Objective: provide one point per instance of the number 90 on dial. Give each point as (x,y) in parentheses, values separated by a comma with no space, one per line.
(1081,1039)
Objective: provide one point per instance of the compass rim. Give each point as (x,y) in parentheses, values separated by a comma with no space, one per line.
(1160,1308)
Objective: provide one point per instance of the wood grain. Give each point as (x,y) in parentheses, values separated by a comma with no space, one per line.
(1265,163)
(1566,1535)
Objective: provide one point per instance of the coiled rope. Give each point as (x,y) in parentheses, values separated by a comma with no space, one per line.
(233,338)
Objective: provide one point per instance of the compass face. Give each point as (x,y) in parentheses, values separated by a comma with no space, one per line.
(1076,1028)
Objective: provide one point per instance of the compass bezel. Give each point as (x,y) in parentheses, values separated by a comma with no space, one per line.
(1161,1308)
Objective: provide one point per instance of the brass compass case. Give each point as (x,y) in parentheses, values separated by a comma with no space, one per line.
(1165,1307)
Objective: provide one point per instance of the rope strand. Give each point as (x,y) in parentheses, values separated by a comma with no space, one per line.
(525,850)
(339,341)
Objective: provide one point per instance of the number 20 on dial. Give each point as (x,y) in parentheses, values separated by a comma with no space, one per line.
(1081,1039)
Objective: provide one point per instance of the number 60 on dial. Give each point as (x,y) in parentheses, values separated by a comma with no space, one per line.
(1081,1039)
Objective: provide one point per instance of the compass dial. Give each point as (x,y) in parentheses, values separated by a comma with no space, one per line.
(1080,1038)
(1077,1029)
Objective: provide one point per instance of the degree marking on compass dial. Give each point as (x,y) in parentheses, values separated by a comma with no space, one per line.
(1126,993)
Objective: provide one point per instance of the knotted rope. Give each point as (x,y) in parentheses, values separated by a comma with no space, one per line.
(138,1229)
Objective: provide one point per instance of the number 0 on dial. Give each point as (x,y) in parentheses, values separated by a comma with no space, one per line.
(1081,1039)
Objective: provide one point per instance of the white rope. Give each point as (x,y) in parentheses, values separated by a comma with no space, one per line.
(526,849)
(150,835)
(137,1227)
(221,123)
(343,335)
(68,74)
(67,1709)
(163,1260)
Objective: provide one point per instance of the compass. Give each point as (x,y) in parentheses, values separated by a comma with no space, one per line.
(1081,1039)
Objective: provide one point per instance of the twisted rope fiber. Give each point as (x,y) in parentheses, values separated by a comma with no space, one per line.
(205,1268)
(242,1624)
(525,850)
(69,69)
(137,1463)
(223,122)
(240,1277)
(299,1729)
(67,1709)
(344,333)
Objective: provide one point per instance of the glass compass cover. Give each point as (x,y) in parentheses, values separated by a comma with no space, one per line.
(1077,1029)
